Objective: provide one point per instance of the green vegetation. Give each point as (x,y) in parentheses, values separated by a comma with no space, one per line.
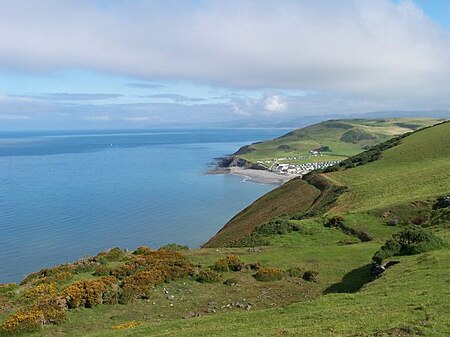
(336,140)
(307,270)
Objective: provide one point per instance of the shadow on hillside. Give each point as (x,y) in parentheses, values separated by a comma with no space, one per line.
(352,281)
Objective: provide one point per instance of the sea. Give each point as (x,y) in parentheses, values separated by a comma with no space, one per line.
(69,194)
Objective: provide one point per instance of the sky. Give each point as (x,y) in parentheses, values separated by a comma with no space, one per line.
(80,64)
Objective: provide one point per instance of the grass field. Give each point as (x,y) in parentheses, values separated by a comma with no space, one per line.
(411,298)
(416,169)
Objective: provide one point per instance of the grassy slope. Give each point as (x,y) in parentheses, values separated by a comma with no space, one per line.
(416,169)
(410,298)
(296,195)
(329,134)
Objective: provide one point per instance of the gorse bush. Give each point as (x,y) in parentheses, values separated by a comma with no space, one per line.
(88,293)
(140,285)
(142,251)
(409,241)
(121,278)
(228,263)
(267,274)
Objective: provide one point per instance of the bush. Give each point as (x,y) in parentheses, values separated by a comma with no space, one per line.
(47,311)
(140,285)
(173,264)
(40,291)
(208,276)
(47,273)
(115,254)
(88,293)
(277,226)
(311,276)
(142,251)
(174,247)
(409,241)
(228,263)
(267,274)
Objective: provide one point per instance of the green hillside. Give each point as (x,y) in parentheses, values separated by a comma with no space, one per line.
(337,139)
(417,169)
(297,262)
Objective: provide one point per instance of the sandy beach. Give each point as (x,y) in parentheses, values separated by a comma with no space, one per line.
(260,176)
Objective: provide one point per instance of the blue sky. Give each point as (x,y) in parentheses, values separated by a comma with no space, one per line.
(134,64)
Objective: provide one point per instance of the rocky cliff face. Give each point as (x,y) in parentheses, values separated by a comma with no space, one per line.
(235,161)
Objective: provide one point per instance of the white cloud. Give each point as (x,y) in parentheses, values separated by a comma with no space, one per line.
(380,49)
(274,103)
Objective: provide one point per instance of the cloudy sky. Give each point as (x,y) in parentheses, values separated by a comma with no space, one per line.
(114,63)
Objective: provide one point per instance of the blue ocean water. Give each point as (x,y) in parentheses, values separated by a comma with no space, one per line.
(64,195)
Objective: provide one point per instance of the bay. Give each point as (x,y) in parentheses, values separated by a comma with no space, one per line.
(68,194)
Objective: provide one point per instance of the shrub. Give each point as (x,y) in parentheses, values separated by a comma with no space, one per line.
(142,251)
(174,247)
(40,291)
(29,319)
(172,263)
(140,285)
(88,293)
(277,226)
(409,241)
(267,274)
(208,276)
(46,273)
(23,321)
(311,276)
(114,254)
(230,262)
(123,271)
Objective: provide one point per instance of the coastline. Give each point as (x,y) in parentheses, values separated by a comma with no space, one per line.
(255,176)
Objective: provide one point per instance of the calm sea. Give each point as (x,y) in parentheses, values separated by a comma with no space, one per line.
(64,195)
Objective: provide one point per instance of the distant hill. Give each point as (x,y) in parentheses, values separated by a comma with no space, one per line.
(335,139)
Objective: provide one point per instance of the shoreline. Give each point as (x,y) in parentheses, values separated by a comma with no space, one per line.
(255,176)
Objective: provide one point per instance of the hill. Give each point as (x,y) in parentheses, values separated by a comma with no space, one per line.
(334,139)
(361,250)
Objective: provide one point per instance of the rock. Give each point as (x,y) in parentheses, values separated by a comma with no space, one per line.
(443,202)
